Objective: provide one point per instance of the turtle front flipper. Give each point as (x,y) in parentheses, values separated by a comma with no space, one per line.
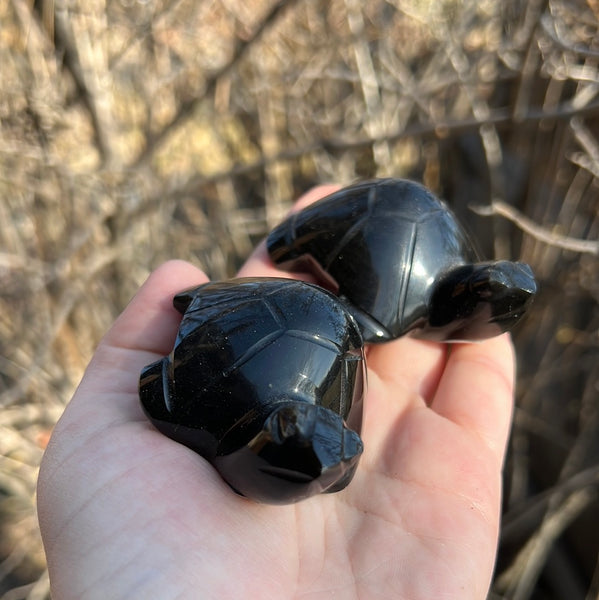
(479,301)
(156,393)
(301,450)
(183,299)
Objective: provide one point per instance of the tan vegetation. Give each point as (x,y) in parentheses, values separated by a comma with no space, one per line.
(135,131)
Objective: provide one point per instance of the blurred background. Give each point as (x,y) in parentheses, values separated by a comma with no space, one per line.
(133,131)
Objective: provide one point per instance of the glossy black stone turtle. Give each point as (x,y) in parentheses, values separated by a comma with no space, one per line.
(266,381)
(267,376)
(398,259)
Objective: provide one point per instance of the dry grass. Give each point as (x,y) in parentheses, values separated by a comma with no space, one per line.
(132,132)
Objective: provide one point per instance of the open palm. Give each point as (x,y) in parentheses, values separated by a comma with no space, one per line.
(127,513)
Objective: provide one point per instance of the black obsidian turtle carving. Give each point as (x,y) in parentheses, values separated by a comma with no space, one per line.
(267,376)
(266,381)
(398,259)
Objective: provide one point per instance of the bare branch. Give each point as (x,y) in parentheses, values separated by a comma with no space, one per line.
(520,578)
(442,129)
(529,516)
(497,207)
(186,108)
(86,75)
(549,27)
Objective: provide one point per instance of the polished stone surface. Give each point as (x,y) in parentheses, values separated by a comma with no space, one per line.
(399,260)
(267,376)
(266,381)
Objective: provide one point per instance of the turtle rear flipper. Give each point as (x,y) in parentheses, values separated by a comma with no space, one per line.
(477,301)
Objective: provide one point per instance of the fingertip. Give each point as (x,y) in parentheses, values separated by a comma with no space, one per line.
(149,322)
(175,272)
(259,264)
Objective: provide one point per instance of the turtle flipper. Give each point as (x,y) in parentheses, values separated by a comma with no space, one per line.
(182,300)
(156,394)
(477,301)
(154,390)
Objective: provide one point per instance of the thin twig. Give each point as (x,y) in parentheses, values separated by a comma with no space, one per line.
(86,78)
(187,107)
(549,27)
(520,578)
(497,207)
(443,129)
(522,519)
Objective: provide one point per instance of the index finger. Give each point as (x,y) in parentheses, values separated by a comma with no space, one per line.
(149,323)
(476,390)
(145,330)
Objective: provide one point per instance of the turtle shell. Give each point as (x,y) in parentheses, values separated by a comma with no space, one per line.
(381,246)
(245,347)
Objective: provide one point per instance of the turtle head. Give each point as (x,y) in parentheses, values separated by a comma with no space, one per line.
(302,450)
(475,302)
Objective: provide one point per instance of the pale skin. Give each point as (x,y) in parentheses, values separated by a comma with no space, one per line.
(126,513)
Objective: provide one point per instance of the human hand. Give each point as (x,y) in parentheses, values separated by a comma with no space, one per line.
(127,513)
